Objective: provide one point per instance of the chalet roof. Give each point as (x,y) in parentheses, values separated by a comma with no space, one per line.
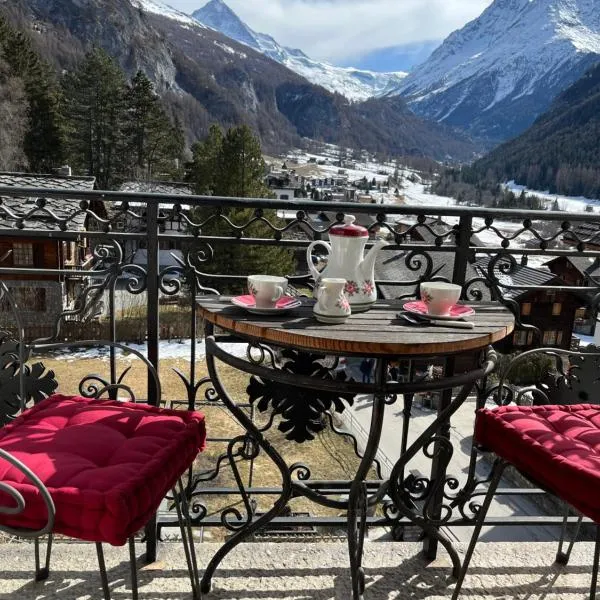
(586,265)
(392,265)
(590,232)
(520,276)
(40,219)
(157,187)
(174,188)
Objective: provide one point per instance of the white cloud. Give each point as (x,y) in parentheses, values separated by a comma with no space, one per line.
(337,29)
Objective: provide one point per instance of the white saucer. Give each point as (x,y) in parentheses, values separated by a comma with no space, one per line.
(282,305)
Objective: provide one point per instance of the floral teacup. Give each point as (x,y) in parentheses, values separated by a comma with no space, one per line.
(440,296)
(332,305)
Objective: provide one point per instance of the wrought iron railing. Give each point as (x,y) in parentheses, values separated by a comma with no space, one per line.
(426,243)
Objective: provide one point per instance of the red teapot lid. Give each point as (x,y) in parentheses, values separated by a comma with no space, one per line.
(348,229)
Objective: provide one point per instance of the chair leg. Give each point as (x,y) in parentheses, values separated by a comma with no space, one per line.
(103,576)
(498,469)
(563,557)
(595,566)
(133,565)
(42,573)
(183,516)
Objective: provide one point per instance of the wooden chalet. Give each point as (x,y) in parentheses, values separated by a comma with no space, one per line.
(41,297)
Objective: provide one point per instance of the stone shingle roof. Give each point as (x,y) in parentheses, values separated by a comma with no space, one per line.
(521,276)
(392,265)
(157,187)
(40,219)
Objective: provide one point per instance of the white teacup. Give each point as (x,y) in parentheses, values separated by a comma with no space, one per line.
(266,289)
(440,296)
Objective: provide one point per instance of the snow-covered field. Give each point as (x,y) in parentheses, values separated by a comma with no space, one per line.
(166,349)
(415,192)
(565,203)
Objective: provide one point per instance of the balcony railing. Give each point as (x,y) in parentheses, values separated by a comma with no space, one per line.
(494,254)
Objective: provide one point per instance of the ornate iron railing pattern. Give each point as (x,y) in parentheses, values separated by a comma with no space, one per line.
(419,235)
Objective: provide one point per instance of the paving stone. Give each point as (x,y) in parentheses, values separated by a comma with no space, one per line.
(293,571)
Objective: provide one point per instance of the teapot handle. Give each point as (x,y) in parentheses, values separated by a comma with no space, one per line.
(313,270)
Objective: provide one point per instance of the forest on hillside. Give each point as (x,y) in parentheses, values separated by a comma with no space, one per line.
(559,153)
(91,118)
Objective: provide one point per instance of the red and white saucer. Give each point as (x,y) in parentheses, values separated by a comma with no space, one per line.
(283,304)
(457,311)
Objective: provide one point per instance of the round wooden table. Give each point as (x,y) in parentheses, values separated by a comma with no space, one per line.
(377,333)
(301,344)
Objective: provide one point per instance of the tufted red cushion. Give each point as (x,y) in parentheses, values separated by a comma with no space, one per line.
(557,446)
(106,464)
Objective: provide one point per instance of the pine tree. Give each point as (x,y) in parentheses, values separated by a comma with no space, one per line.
(205,169)
(13,110)
(232,165)
(153,145)
(95,114)
(43,142)
(242,166)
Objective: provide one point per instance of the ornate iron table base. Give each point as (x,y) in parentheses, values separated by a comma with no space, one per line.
(403,491)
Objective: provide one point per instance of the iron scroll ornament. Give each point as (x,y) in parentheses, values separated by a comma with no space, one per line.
(302,410)
(38,382)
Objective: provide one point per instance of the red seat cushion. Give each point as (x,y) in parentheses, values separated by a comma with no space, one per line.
(557,446)
(106,464)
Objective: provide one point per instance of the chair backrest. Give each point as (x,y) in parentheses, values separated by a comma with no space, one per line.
(569,377)
(23,383)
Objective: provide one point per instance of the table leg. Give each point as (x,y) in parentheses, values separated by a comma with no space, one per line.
(435,511)
(358,500)
(257,437)
(439,463)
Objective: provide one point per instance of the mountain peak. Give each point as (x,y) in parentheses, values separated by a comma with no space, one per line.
(501,70)
(217,15)
(355,84)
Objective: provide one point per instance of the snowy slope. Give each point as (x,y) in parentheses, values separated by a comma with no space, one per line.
(164,10)
(355,84)
(500,71)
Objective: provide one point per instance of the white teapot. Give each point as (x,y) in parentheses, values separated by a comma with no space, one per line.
(347,261)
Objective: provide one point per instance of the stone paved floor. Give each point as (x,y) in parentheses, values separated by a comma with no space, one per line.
(293,571)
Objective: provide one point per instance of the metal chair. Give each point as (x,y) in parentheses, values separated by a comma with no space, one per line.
(90,468)
(551,441)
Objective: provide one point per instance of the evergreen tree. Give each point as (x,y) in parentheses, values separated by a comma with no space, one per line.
(43,139)
(153,144)
(13,106)
(242,166)
(232,165)
(205,169)
(95,114)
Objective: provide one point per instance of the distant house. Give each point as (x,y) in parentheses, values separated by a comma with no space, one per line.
(42,298)
(285,184)
(553,312)
(169,222)
(580,271)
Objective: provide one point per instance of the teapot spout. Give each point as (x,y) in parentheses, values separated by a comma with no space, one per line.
(367,266)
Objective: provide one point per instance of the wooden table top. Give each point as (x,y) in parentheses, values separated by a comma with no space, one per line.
(377,332)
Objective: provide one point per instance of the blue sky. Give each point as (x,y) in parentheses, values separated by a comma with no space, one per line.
(343,31)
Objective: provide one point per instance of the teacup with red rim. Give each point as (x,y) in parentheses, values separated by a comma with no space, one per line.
(440,296)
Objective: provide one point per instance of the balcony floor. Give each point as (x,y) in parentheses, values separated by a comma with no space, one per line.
(304,571)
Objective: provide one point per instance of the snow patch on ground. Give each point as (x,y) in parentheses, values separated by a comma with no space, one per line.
(179,349)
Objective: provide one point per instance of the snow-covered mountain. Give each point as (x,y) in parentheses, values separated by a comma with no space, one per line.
(355,84)
(499,72)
